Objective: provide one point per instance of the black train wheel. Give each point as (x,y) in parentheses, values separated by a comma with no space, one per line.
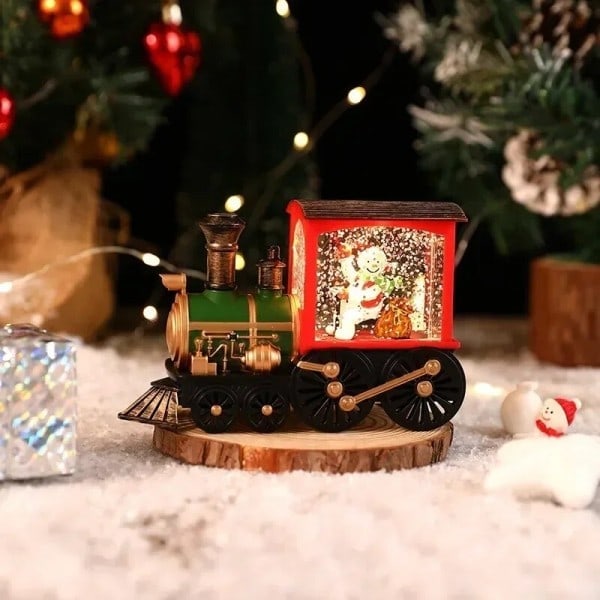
(424,407)
(265,408)
(214,408)
(312,401)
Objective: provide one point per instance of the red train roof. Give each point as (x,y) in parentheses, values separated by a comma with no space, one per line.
(380,209)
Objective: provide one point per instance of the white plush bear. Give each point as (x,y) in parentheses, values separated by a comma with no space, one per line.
(565,469)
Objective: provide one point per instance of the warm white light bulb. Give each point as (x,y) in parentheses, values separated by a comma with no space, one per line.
(150,313)
(234,203)
(282,8)
(240,262)
(150,259)
(76,7)
(356,95)
(5,287)
(48,5)
(172,13)
(301,140)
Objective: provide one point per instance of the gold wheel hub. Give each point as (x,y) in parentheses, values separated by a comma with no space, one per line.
(424,389)
(334,389)
(267,410)
(216,410)
(347,403)
(331,370)
(433,367)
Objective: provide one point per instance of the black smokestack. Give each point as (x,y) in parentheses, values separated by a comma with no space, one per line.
(222,231)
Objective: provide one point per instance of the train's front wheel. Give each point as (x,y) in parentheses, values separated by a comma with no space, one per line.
(214,408)
(265,408)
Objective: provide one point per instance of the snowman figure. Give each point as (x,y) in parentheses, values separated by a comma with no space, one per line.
(556,415)
(371,262)
(359,302)
(368,287)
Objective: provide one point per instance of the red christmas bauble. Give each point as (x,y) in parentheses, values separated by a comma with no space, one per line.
(66,18)
(174,53)
(7,113)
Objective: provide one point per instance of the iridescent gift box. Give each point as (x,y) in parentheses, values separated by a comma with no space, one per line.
(38,412)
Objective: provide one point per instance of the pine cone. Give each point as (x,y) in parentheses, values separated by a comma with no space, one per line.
(572,25)
(535,183)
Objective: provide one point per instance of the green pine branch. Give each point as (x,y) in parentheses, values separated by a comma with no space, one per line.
(483,88)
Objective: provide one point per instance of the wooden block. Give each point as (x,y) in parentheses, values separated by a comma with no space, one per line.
(565,312)
(377,443)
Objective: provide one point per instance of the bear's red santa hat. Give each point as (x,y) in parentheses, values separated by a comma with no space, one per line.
(569,407)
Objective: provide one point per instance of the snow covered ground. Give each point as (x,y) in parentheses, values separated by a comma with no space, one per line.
(132,523)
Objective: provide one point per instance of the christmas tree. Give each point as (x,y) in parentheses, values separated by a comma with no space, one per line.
(510,124)
(85,83)
(76,73)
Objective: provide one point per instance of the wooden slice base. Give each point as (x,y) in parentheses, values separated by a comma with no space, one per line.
(377,443)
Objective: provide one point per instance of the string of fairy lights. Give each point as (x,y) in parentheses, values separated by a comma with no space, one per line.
(302,143)
(150,313)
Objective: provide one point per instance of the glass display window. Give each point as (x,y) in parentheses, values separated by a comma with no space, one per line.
(379,282)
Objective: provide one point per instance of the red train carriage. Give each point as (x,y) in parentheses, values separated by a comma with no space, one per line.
(374,283)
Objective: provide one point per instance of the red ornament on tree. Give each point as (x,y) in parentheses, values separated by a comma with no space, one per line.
(173,51)
(7,113)
(65,17)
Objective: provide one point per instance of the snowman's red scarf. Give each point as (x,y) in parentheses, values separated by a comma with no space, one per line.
(547,430)
(372,303)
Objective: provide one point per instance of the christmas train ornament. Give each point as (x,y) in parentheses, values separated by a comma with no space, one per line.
(315,350)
